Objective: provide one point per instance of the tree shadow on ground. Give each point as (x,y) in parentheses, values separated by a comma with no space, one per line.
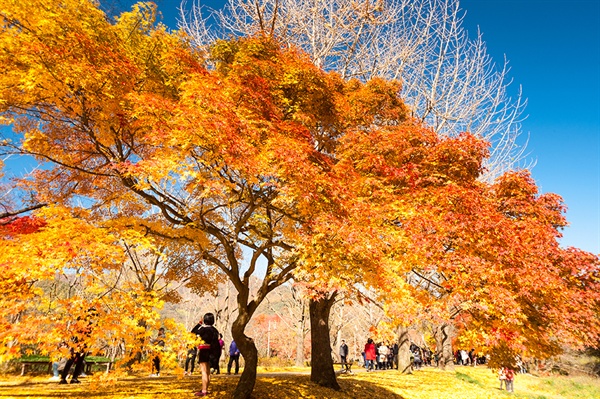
(283,386)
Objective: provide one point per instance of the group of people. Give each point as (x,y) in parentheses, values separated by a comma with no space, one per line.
(214,359)
(421,356)
(209,352)
(383,356)
(464,358)
(380,356)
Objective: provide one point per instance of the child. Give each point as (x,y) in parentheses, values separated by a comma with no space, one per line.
(502,377)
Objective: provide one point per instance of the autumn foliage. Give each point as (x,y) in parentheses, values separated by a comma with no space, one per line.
(167,166)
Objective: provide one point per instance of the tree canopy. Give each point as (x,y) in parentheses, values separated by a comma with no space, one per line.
(163,164)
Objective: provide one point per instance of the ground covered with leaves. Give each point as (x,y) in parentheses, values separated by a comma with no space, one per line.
(428,383)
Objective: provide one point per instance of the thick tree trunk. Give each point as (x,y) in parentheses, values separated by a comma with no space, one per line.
(248,350)
(443,340)
(322,371)
(404,362)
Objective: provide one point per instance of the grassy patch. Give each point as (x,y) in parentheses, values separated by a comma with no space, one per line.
(467,378)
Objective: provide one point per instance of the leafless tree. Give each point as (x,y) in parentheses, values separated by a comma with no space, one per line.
(290,303)
(449,80)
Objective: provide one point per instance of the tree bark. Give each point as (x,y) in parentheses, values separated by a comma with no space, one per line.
(443,340)
(300,338)
(322,371)
(404,362)
(248,350)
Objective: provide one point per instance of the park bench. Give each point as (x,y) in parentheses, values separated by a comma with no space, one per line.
(347,366)
(34,362)
(44,360)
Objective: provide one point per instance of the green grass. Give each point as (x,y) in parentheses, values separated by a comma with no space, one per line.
(467,378)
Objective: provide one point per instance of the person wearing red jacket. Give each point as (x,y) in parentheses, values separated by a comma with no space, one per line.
(509,374)
(370,354)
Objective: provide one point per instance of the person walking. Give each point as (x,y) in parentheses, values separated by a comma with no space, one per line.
(344,355)
(417,358)
(473,357)
(234,356)
(464,357)
(159,341)
(215,360)
(509,374)
(190,359)
(78,348)
(502,377)
(370,355)
(390,357)
(210,346)
(383,353)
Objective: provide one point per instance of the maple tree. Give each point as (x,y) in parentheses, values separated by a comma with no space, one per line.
(229,159)
(415,170)
(54,277)
(395,166)
(495,270)
(256,170)
(477,252)
(143,138)
(545,296)
(450,81)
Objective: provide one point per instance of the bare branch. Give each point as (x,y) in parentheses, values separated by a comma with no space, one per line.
(449,80)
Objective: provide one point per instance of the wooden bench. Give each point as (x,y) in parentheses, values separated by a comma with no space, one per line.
(25,363)
(89,362)
(347,366)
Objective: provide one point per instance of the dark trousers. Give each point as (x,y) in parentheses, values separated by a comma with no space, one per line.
(156,364)
(214,363)
(236,359)
(191,359)
(344,361)
(77,360)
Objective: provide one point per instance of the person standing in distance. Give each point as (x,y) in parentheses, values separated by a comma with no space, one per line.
(234,356)
(370,355)
(159,341)
(78,347)
(209,346)
(344,355)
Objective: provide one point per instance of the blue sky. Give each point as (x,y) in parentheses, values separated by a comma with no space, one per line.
(553,47)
